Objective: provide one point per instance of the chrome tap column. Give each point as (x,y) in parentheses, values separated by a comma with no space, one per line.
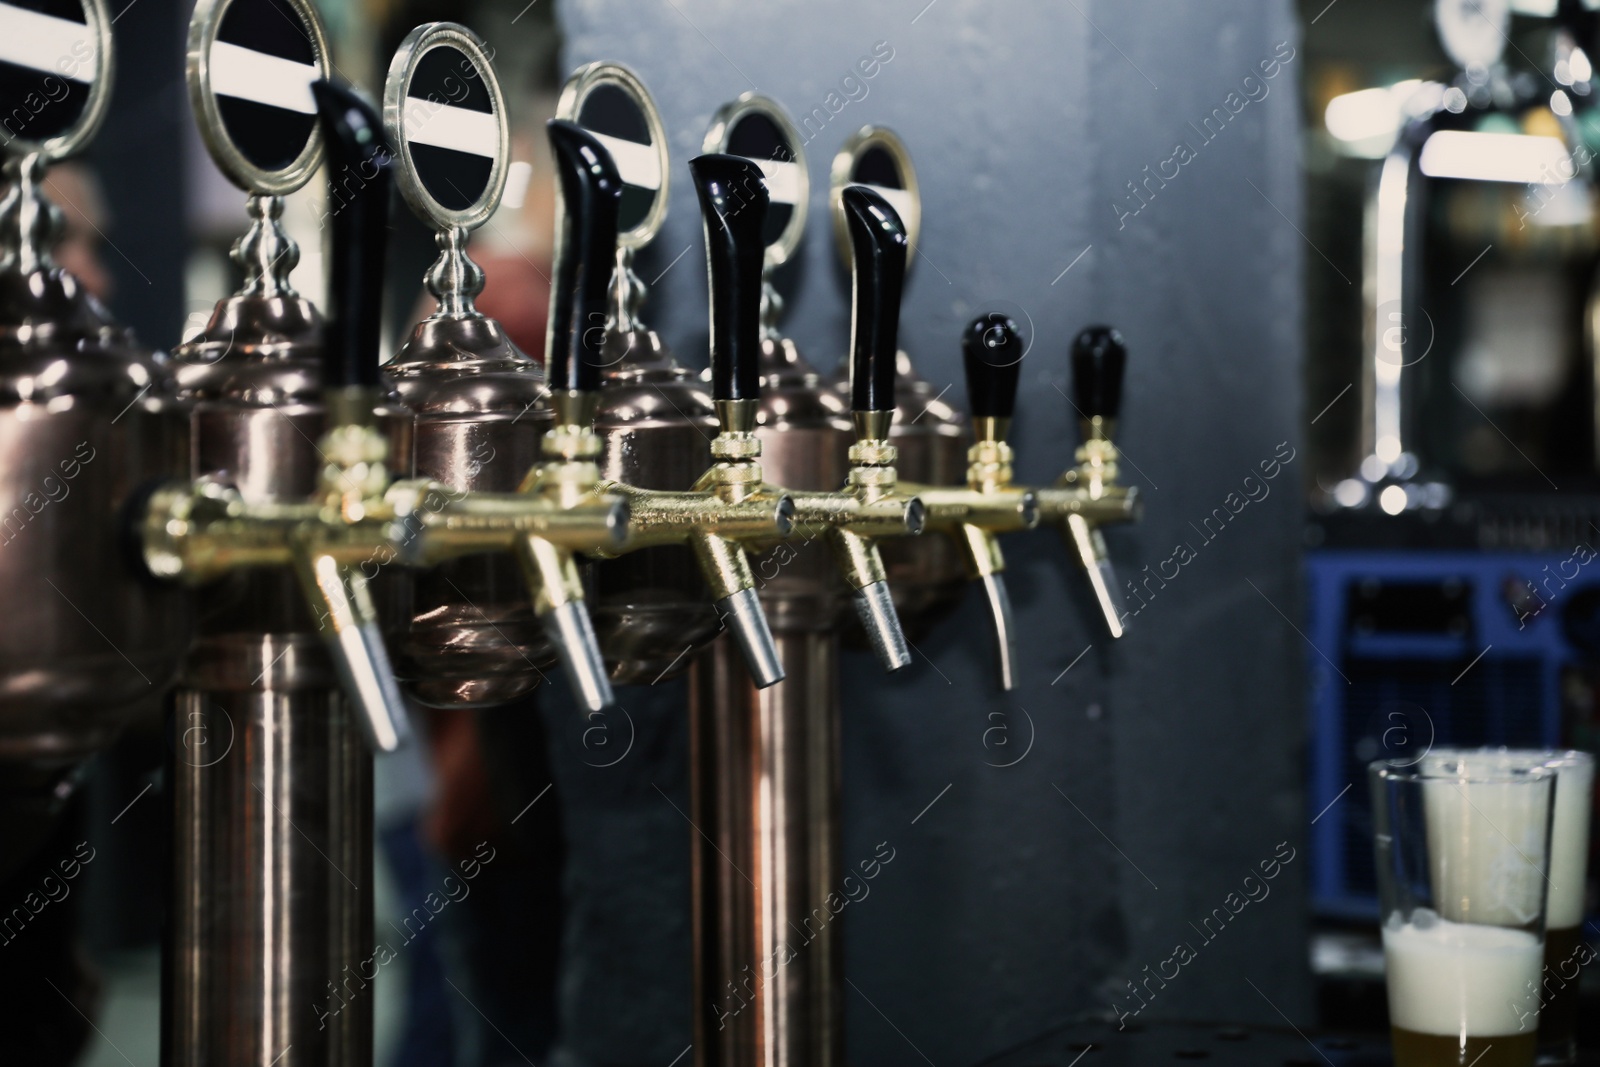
(84,425)
(764,763)
(480,403)
(271,928)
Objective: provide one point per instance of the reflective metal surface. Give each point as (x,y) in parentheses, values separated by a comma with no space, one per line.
(651,608)
(268,959)
(764,766)
(479,401)
(272,918)
(764,761)
(264,737)
(926,574)
(84,426)
(480,407)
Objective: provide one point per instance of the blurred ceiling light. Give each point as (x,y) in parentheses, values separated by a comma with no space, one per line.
(1574,68)
(1350,493)
(1495,157)
(1537,8)
(1366,122)
(1392,500)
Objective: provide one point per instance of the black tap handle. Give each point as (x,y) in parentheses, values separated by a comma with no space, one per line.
(361,169)
(733,204)
(991,349)
(878,241)
(1099,356)
(591,195)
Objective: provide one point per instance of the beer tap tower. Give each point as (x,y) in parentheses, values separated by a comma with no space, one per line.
(765,762)
(290,436)
(85,424)
(271,775)
(480,403)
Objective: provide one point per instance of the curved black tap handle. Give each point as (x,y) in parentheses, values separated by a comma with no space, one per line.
(991,349)
(1099,356)
(733,204)
(591,195)
(360,168)
(878,240)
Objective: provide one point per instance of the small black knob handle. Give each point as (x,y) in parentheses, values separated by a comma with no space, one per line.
(360,169)
(991,349)
(591,196)
(1099,356)
(878,241)
(733,204)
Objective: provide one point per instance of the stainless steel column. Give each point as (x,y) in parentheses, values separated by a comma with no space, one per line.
(764,762)
(270,957)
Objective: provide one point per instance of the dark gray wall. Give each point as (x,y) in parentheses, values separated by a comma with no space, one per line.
(1162,770)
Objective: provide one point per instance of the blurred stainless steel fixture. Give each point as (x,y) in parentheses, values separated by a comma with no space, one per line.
(1397,332)
(655,423)
(926,574)
(480,403)
(272,789)
(764,766)
(85,424)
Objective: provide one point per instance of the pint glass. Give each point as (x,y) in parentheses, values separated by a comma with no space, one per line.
(1463,856)
(1564,948)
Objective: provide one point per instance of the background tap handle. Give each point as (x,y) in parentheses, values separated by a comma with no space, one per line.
(1099,356)
(733,204)
(991,349)
(591,196)
(360,169)
(878,241)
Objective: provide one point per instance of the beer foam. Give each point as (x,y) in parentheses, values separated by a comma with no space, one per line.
(1457,979)
(1569,831)
(1487,848)
(1569,843)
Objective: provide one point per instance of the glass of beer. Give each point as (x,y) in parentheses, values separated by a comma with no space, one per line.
(1564,949)
(1463,854)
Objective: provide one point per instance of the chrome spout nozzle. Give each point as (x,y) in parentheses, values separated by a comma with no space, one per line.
(875,608)
(743,615)
(348,623)
(572,632)
(1090,544)
(994,588)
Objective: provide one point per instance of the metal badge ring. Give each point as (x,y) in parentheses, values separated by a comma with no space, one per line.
(718,138)
(203,27)
(587,79)
(402,70)
(844,173)
(72,140)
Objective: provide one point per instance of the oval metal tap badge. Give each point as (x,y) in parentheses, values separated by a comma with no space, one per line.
(250,70)
(55,75)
